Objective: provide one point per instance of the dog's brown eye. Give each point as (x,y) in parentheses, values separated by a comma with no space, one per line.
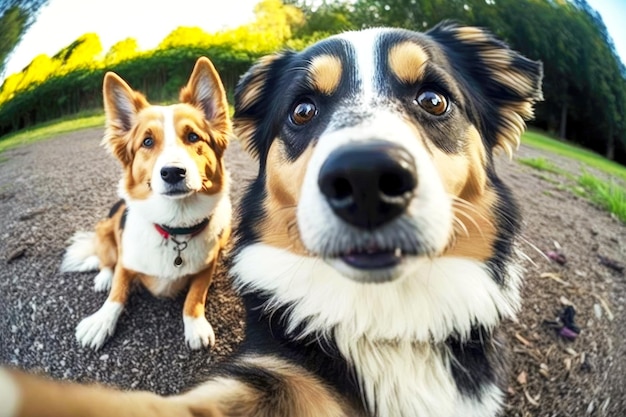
(303,112)
(192,137)
(433,102)
(148,142)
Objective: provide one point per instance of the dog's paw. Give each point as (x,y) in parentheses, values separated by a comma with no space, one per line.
(102,281)
(92,331)
(198,332)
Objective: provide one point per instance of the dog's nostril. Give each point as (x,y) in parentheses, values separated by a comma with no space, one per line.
(172,175)
(395,184)
(341,189)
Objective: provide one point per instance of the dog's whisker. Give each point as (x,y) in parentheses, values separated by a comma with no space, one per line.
(471,220)
(460,226)
(534,247)
(458,201)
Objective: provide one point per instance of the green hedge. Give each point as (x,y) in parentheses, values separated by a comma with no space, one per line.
(159,74)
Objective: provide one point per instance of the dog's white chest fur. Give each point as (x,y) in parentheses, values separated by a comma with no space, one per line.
(149,253)
(400,378)
(412,379)
(146,251)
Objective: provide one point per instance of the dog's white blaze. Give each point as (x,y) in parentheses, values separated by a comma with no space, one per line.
(364,43)
(147,251)
(384,329)
(9,395)
(173,154)
(169,128)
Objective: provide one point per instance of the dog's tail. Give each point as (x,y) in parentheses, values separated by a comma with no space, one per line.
(81,256)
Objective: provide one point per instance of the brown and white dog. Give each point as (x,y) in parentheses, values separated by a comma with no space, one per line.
(174,218)
(375,249)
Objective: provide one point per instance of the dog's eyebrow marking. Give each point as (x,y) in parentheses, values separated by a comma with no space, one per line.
(471,33)
(325,73)
(407,61)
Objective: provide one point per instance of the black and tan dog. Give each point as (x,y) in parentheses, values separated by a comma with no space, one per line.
(375,249)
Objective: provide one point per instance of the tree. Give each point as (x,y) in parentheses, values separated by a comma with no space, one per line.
(122,50)
(277,20)
(16,16)
(184,36)
(83,52)
(327,17)
(39,69)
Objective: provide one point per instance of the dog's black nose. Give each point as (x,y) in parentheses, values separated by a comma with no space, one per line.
(368,184)
(173,174)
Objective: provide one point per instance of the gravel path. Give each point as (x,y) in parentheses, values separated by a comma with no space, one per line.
(50,189)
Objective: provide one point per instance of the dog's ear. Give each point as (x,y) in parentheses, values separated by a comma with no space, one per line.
(205,91)
(253,106)
(121,105)
(509,83)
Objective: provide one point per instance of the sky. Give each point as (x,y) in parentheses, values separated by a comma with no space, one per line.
(61,22)
(613,14)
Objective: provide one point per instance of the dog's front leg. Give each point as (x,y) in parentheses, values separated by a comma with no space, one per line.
(198,331)
(265,386)
(25,395)
(92,331)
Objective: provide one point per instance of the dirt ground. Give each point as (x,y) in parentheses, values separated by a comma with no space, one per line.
(50,189)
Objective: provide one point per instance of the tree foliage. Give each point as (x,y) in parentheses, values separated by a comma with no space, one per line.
(16,16)
(121,51)
(82,53)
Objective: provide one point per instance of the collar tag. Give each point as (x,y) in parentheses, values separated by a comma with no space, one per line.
(168,233)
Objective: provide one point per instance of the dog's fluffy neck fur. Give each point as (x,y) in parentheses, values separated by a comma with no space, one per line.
(372,354)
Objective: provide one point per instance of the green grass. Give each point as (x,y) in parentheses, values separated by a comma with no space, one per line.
(610,195)
(541,164)
(607,195)
(592,159)
(50,129)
